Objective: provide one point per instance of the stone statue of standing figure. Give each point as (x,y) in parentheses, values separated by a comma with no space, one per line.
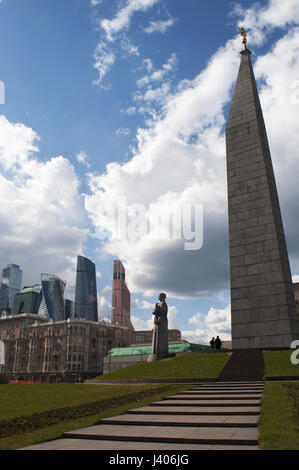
(160,330)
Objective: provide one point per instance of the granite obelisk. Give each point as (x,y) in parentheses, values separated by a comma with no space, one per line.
(263,307)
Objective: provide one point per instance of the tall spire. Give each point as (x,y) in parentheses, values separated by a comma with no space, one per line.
(262,296)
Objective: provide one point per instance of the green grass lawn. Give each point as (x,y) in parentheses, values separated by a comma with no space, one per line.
(278,424)
(22,403)
(22,400)
(279,421)
(203,365)
(278,363)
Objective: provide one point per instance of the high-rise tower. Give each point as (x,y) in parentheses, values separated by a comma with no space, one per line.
(86,304)
(10,285)
(53,301)
(263,308)
(121,297)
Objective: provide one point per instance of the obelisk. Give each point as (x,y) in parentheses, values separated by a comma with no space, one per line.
(263,307)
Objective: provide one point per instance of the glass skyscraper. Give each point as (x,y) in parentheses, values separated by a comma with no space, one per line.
(86,304)
(28,300)
(10,285)
(53,301)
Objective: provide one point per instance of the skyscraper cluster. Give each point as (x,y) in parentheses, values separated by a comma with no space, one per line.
(47,297)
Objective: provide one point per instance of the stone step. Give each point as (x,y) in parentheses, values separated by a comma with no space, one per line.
(218,396)
(91,444)
(183,420)
(189,410)
(169,434)
(207,402)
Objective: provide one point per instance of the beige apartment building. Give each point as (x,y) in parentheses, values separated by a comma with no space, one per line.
(36,349)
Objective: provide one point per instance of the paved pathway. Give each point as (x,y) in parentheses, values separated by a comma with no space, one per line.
(211,416)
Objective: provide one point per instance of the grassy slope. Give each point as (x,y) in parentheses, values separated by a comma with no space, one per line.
(278,423)
(202,365)
(22,400)
(42,402)
(278,363)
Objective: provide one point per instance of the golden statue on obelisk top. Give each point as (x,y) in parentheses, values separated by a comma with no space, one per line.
(244,36)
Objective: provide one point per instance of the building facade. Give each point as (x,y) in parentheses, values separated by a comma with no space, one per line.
(86,304)
(36,349)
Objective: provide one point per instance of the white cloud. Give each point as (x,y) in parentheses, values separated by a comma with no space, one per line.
(142,304)
(216,323)
(104,59)
(41,211)
(104,309)
(123,131)
(107,291)
(140,324)
(180,158)
(129,111)
(274,14)
(159,26)
(122,19)
(158,75)
(114,29)
(82,157)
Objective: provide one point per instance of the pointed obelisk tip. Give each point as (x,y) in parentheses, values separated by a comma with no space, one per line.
(244,42)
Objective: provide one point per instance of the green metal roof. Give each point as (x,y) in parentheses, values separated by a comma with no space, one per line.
(172,348)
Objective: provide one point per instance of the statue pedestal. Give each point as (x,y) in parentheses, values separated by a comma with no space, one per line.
(158,357)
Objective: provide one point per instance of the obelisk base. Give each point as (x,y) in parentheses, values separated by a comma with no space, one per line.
(158,357)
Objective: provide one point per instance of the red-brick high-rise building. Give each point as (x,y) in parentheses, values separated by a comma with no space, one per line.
(121,302)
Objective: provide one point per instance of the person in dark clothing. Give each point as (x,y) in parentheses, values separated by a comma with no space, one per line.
(217,343)
(212,343)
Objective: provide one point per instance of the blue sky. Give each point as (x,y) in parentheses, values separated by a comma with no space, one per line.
(106,100)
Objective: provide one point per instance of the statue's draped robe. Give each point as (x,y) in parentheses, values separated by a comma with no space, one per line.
(160,331)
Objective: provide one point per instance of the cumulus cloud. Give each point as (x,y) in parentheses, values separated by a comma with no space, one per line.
(41,213)
(104,309)
(180,158)
(216,323)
